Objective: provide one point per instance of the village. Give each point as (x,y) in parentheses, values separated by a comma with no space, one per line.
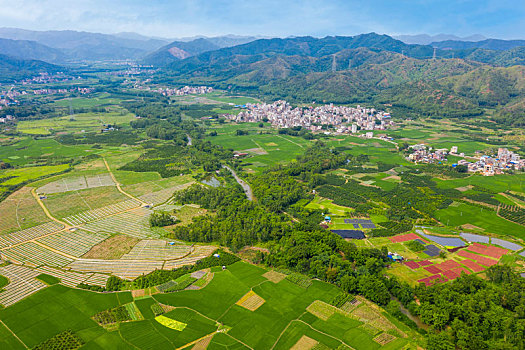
(166,91)
(487,165)
(11,97)
(343,119)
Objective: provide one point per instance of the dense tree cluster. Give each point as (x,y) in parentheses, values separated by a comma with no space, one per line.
(161,218)
(172,159)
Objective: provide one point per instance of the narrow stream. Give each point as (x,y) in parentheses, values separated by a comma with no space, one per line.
(416,319)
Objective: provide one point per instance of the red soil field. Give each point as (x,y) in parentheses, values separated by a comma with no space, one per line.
(432,269)
(412,264)
(494,252)
(404,238)
(473,266)
(479,259)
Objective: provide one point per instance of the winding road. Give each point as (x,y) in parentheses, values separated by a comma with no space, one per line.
(247,189)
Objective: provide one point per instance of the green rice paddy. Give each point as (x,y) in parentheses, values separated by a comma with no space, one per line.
(278,323)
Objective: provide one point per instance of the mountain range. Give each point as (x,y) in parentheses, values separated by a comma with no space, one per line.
(366,68)
(68,46)
(16,68)
(425,39)
(178,50)
(449,78)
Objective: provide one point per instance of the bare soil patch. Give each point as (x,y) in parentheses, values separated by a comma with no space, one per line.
(393,177)
(472,227)
(384,338)
(112,248)
(251,301)
(305,343)
(138,293)
(259,151)
(464,188)
(274,276)
(203,343)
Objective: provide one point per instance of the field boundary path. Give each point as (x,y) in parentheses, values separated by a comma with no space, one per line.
(46,211)
(14,335)
(295,143)
(118,185)
(512,199)
(247,189)
(196,341)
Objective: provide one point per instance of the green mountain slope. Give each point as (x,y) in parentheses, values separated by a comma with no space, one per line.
(14,68)
(29,50)
(343,70)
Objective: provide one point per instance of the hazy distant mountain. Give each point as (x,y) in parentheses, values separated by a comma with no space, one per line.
(25,49)
(88,46)
(14,68)
(425,39)
(139,37)
(178,50)
(489,44)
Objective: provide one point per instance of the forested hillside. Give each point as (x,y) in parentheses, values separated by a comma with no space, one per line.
(367,68)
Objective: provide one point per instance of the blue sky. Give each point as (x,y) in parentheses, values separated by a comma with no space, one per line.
(180,18)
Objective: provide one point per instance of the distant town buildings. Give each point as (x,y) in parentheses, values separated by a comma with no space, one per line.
(343,119)
(7,118)
(488,166)
(186,90)
(11,97)
(423,154)
(485,164)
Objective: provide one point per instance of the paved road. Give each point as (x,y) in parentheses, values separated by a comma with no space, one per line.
(247,189)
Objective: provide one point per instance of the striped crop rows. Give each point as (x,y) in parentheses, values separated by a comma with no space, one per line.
(35,255)
(132,223)
(22,283)
(77,183)
(75,243)
(156,250)
(28,234)
(97,279)
(96,214)
(128,269)
(68,278)
(162,196)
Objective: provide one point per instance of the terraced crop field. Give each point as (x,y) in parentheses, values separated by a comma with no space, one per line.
(29,234)
(77,183)
(157,250)
(133,223)
(33,254)
(75,243)
(97,214)
(22,283)
(127,269)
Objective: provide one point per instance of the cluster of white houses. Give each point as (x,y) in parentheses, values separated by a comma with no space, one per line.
(486,165)
(424,154)
(343,119)
(186,90)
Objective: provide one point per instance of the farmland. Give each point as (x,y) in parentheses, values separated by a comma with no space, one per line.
(196,314)
(85,224)
(82,122)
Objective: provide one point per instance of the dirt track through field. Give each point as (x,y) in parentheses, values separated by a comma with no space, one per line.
(118,185)
(46,211)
